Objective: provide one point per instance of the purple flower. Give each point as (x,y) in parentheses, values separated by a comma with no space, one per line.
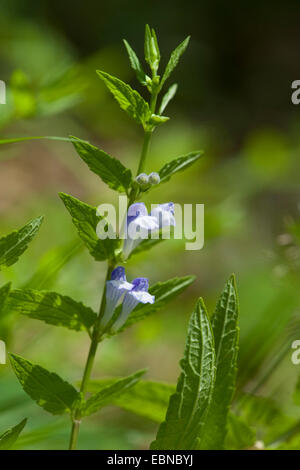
(115,289)
(140,225)
(138,294)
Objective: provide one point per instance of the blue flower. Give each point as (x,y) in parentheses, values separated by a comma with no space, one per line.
(118,288)
(140,225)
(138,294)
(115,289)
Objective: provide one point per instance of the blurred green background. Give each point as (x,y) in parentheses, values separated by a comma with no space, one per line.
(233,102)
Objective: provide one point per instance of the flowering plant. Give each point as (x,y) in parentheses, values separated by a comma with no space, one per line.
(197,410)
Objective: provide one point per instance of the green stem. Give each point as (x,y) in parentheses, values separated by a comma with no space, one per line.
(89,364)
(145,148)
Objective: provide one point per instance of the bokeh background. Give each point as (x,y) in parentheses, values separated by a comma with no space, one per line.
(234,102)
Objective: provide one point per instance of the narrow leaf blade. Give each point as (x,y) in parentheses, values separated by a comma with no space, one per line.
(178,164)
(174,59)
(109,393)
(12,246)
(168,96)
(135,63)
(52,308)
(46,388)
(146,398)
(188,407)
(9,437)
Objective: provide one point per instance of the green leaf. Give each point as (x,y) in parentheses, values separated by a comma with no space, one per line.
(52,308)
(296,395)
(85,219)
(163,292)
(156,120)
(135,64)
(110,170)
(226,334)
(129,100)
(14,244)
(240,435)
(107,394)
(188,407)
(146,398)
(46,388)
(4,291)
(178,164)
(168,96)
(174,59)
(9,437)
(147,44)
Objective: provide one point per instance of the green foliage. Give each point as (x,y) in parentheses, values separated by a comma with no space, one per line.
(297,392)
(147,399)
(4,291)
(168,96)
(110,170)
(46,388)
(151,49)
(226,335)
(163,292)
(174,59)
(240,435)
(135,64)
(129,100)
(12,246)
(85,219)
(178,164)
(9,437)
(188,407)
(108,393)
(52,308)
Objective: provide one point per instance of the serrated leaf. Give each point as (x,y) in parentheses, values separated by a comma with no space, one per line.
(188,407)
(168,96)
(111,171)
(146,398)
(129,100)
(13,245)
(52,308)
(135,64)
(174,59)
(4,291)
(46,388)
(226,335)
(85,219)
(9,437)
(107,394)
(240,436)
(178,164)
(163,292)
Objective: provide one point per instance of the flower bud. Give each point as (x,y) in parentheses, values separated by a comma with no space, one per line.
(142,179)
(154,178)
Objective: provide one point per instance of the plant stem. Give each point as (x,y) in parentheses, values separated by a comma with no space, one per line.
(89,364)
(76,418)
(147,135)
